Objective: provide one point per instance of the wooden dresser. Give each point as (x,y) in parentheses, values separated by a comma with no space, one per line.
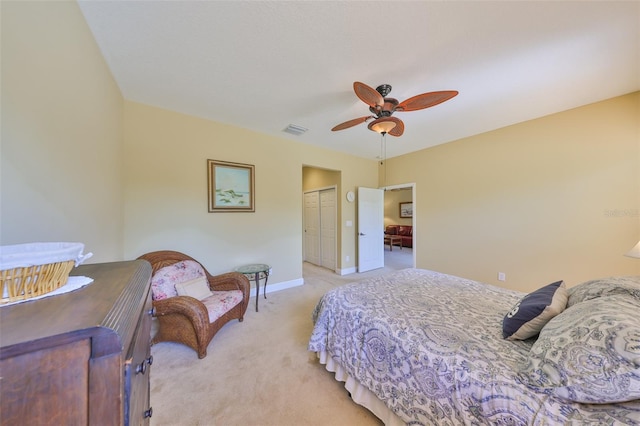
(80,358)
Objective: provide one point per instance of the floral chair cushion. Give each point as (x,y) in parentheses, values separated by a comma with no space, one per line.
(163,283)
(221,302)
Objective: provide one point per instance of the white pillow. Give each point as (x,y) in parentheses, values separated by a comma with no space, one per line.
(590,353)
(197,288)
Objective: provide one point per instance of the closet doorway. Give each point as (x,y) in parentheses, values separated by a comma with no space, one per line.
(320,218)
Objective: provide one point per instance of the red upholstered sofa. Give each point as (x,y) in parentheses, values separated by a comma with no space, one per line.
(405,231)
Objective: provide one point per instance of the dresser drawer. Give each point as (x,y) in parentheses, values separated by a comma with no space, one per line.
(46,386)
(137,371)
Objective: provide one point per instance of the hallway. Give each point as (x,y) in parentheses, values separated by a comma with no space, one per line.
(398,259)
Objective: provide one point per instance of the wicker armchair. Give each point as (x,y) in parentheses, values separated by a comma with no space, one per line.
(184,319)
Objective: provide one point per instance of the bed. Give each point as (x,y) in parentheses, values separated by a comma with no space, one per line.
(424,348)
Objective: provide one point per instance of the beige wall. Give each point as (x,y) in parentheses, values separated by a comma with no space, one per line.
(166,192)
(553,198)
(314,178)
(557,197)
(61,162)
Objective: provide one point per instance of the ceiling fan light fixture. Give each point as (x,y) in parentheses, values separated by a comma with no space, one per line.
(382,126)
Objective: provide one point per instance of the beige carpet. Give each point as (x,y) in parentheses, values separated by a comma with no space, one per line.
(259,372)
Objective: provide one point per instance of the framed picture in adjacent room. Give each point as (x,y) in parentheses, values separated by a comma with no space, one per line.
(406,209)
(230,186)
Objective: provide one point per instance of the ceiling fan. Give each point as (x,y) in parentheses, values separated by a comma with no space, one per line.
(383,108)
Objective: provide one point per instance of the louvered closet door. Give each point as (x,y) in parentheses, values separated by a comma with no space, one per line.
(320,234)
(328,212)
(312,227)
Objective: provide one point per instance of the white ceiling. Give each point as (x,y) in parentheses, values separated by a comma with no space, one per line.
(263,65)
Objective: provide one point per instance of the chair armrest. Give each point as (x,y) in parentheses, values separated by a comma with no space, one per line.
(188,306)
(230,281)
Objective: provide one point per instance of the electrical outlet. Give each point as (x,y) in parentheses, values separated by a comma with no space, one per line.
(502,276)
(347,258)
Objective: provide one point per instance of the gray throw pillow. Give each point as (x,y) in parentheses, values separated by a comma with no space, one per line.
(533,311)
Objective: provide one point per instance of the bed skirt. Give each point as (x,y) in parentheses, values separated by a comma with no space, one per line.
(359,393)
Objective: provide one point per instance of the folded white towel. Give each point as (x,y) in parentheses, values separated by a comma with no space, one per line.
(33,254)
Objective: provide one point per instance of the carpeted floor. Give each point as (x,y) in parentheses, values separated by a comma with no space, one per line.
(259,372)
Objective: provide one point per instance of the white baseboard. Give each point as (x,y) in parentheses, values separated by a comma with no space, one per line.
(277,286)
(347,271)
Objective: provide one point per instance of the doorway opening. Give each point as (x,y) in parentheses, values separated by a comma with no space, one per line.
(399,221)
(320,213)
(321,231)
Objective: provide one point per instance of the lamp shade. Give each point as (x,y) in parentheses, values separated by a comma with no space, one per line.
(383,126)
(635,251)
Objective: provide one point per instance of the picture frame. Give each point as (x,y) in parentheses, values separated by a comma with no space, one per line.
(406,209)
(230,186)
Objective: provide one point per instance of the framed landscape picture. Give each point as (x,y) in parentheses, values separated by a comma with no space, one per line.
(230,186)
(406,209)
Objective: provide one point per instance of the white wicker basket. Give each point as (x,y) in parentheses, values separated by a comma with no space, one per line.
(34,269)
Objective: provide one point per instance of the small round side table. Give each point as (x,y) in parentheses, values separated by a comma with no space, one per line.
(256,271)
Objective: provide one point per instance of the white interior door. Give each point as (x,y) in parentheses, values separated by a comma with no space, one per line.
(370,229)
(328,211)
(312,228)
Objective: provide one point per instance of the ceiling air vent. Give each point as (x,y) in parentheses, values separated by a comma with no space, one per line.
(295,130)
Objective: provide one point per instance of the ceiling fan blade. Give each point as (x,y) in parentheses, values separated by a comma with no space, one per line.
(351,123)
(399,129)
(426,100)
(368,95)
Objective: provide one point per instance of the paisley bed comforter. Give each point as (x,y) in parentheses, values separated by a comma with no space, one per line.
(430,346)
